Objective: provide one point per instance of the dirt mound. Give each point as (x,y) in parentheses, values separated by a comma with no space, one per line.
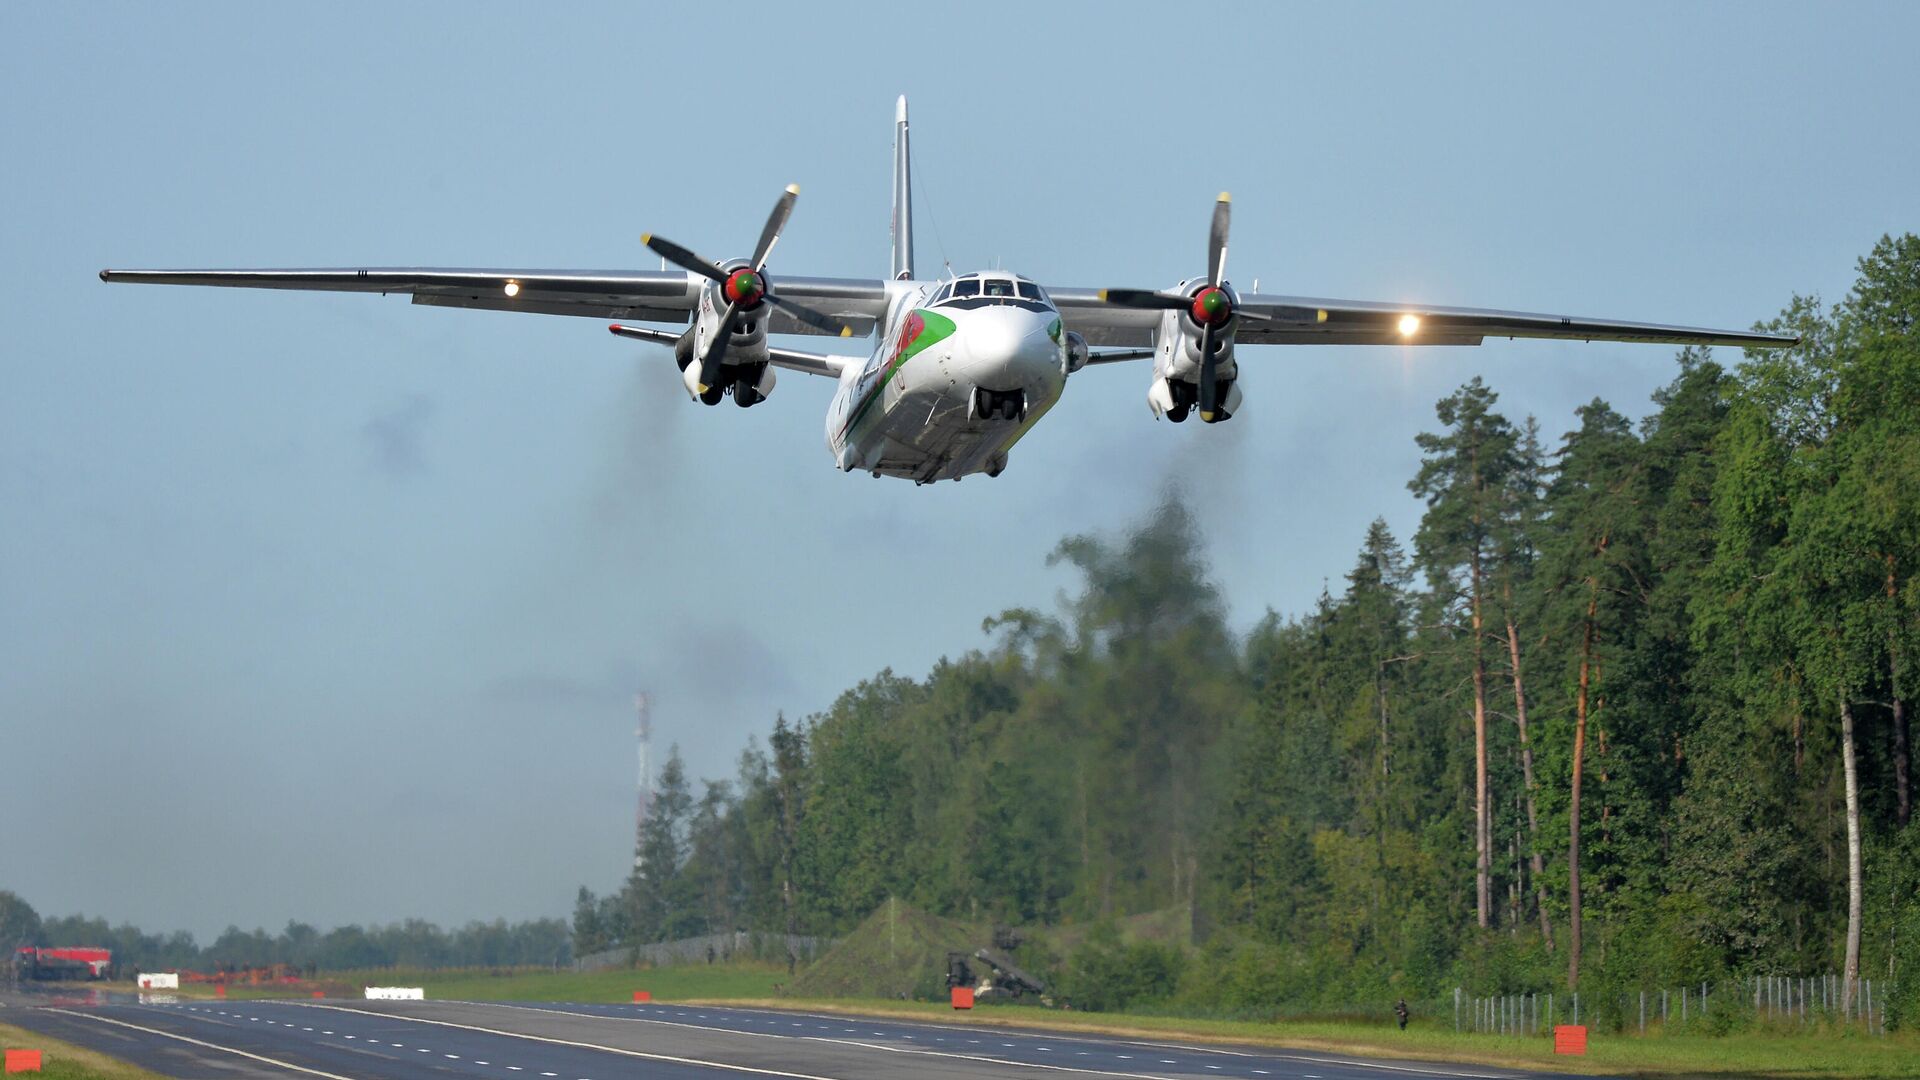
(899,951)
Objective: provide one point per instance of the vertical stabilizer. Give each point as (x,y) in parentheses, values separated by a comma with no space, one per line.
(902,226)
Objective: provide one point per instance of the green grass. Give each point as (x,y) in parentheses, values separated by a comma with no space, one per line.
(1819,1055)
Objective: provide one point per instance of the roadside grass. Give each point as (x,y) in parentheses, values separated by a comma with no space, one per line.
(64,1061)
(1832,1055)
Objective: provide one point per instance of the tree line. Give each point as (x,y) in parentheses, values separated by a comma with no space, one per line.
(412,943)
(1631,707)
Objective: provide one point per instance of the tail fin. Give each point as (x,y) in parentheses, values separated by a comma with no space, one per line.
(902,225)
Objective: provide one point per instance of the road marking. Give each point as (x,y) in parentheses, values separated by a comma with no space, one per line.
(721,1064)
(623,1051)
(208,1045)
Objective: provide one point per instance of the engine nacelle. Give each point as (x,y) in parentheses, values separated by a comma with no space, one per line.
(1074,353)
(1189,346)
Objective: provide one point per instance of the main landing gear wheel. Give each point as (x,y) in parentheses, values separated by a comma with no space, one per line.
(713,394)
(1185,394)
(746,388)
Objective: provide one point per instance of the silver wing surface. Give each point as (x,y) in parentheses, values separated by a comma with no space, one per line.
(668,296)
(1307,320)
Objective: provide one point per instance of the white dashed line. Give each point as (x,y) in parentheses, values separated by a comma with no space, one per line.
(196,1042)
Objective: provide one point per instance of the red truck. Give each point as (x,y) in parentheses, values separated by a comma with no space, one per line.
(77,962)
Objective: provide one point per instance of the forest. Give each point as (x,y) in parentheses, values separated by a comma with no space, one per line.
(1630,708)
(410,943)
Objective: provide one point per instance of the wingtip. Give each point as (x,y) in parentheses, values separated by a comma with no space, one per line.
(793,189)
(1225,197)
(646,238)
(900,110)
(613,328)
(105,275)
(1103,296)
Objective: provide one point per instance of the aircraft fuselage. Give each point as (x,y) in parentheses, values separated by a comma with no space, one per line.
(954,382)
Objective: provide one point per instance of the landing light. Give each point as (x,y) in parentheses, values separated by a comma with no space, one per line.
(1409,324)
(513,288)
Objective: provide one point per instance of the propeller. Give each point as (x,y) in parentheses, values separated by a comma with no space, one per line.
(1212,307)
(744,287)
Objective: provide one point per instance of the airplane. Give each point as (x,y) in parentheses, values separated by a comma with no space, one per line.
(962,366)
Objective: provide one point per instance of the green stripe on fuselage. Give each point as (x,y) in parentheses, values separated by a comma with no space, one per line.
(922,329)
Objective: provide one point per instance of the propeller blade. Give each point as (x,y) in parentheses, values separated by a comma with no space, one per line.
(1209,382)
(717,348)
(815,319)
(1217,241)
(1145,298)
(683,258)
(776,221)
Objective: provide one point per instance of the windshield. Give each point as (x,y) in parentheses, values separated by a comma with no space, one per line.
(981,290)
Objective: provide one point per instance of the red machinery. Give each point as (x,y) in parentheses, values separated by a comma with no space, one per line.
(77,962)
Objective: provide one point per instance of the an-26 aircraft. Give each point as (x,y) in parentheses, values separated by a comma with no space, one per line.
(961,367)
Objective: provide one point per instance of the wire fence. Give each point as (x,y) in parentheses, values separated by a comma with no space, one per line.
(1774,1000)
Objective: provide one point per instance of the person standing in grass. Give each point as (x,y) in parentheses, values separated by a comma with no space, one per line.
(1400,1013)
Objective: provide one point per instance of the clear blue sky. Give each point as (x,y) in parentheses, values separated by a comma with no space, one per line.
(332,607)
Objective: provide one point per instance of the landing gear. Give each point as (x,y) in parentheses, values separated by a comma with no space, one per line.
(713,394)
(1004,405)
(1185,395)
(1186,398)
(746,386)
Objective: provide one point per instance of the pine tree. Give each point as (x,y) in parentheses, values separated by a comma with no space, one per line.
(1463,477)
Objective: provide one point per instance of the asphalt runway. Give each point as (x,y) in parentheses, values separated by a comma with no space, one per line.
(417,1040)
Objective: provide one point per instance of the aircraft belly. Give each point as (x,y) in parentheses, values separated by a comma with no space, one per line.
(921,427)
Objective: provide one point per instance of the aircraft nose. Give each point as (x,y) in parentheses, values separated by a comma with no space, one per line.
(1001,338)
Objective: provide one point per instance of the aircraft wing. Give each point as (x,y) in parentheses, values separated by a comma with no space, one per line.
(1306,320)
(654,296)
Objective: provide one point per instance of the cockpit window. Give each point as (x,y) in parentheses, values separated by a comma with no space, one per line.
(990,290)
